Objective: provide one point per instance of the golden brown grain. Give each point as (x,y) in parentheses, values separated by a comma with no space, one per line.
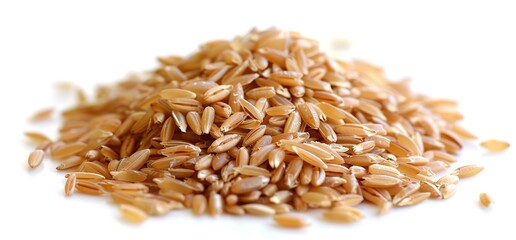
(70,163)
(88,187)
(129,176)
(87,176)
(193,119)
(249,170)
(95,167)
(234,209)
(199,204)
(167,183)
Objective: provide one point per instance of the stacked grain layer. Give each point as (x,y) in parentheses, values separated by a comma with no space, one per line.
(263,124)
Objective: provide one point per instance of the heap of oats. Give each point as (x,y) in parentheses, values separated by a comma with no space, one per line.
(264,124)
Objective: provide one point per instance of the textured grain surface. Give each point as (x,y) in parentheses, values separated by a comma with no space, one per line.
(468,171)
(36,158)
(261,124)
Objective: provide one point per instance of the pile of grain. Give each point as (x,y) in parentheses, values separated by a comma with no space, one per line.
(263,124)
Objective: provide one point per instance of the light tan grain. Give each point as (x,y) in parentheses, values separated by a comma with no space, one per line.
(309,115)
(88,187)
(67,150)
(42,115)
(316,199)
(193,119)
(495,145)
(310,157)
(343,215)
(232,122)
(291,221)
(253,136)
(246,185)
(249,170)
(37,137)
(36,158)
(224,143)
(380,181)
(70,185)
(468,171)
(215,204)
(132,214)
(485,200)
(258,209)
(176,93)
(135,161)
(207,119)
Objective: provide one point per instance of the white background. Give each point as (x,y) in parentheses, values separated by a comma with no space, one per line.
(460,50)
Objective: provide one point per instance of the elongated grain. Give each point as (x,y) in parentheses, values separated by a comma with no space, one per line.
(468,171)
(36,158)
(135,161)
(70,184)
(291,221)
(494,145)
(132,214)
(199,204)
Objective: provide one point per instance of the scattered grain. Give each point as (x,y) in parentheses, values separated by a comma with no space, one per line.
(485,200)
(132,214)
(494,145)
(291,221)
(36,158)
